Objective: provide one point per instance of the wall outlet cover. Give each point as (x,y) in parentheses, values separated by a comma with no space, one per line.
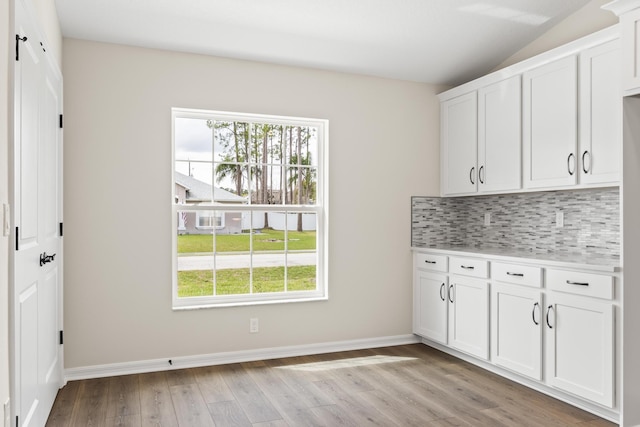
(559,219)
(487,219)
(253,325)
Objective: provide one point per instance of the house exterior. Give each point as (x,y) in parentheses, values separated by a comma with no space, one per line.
(191,192)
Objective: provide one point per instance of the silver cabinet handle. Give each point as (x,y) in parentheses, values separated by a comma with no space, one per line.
(451,294)
(467,267)
(481,174)
(571,172)
(533,313)
(515,274)
(549,311)
(442,292)
(429,262)
(584,167)
(471,174)
(569,282)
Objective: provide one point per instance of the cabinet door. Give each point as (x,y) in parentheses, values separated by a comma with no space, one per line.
(469,315)
(430,306)
(500,136)
(630,23)
(516,331)
(550,124)
(459,145)
(600,114)
(579,346)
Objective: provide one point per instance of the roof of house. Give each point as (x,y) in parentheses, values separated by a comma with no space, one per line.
(201,191)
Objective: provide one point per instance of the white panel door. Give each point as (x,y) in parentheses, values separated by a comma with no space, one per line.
(500,136)
(430,306)
(37,260)
(550,124)
(469,315)
(579,346)
(459,145)
(516,331)
(600,114)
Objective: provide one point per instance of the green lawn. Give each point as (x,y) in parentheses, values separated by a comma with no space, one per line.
(236,281)
(267,240)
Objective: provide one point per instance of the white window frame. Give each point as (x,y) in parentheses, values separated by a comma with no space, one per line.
(320,208)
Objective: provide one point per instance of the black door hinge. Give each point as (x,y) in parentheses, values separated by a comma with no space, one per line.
(61,230)
(18,40)
(61,337)
(17,244)
(61,121)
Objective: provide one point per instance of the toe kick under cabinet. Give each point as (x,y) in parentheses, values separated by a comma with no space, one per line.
(548,325)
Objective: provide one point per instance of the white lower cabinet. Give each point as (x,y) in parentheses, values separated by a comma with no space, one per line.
(579,346)
(552,325)
(516,329)
(469,315)
(430,306)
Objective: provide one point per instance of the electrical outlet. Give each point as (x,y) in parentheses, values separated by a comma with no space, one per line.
(487,219)
(253,325)
(559,219)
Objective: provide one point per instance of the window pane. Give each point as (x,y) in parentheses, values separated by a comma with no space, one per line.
(193,139)
(302,253)
(195,257)
(301,185)
(232,255)
(268,253)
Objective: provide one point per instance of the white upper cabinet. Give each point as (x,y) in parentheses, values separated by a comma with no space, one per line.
(550,124)
(600,114)
(499,136)
(459,145)
(629,13)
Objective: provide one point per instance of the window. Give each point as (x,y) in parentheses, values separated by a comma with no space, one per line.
(210,219)
(249,203)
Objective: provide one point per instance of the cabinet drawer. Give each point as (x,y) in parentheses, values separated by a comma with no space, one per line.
(431,262)
(577,282)
(469,267)
(520,274)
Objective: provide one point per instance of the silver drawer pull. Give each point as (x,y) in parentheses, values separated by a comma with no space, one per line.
(470,267)
(515,274)
(429,262)
(569,282)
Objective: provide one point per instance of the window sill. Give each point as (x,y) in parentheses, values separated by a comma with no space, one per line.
(193,305)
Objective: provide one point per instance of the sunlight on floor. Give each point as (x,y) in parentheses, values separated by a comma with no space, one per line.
(346,363)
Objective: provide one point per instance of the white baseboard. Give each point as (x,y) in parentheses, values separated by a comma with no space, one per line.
(154,365)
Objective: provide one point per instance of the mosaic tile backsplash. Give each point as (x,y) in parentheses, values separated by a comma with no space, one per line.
(525,221)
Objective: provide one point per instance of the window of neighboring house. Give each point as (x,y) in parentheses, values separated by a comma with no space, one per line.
(210,219)
(252,227)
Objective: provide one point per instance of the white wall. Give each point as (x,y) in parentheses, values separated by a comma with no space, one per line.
(384,137)
(586,20)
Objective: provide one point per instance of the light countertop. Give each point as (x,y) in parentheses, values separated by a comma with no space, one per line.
(600,263)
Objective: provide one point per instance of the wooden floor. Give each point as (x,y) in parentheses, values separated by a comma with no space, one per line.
(410,385)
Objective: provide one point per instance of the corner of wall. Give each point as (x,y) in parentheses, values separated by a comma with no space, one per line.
(586,20)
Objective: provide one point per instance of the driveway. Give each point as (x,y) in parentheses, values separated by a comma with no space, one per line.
(205,262)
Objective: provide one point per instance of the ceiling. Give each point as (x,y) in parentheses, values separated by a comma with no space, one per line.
(434,41)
